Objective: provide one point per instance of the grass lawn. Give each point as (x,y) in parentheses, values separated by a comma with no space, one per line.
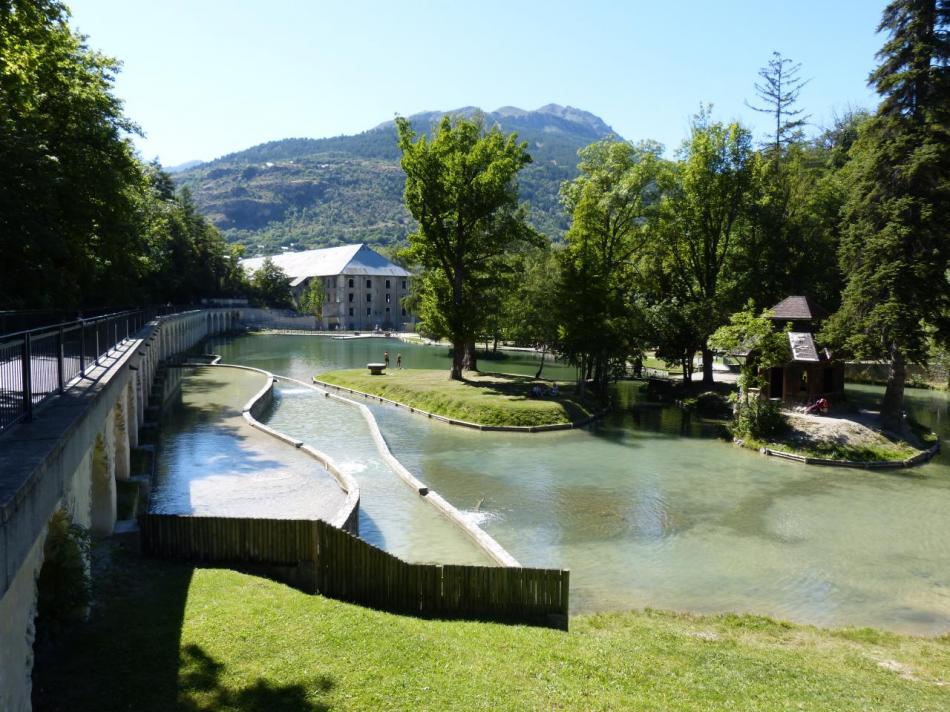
(487,399)
(831,450)
(168,636)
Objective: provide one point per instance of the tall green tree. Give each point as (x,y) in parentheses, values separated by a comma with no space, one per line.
(895,245)
(703,222)
(312,301)
(461,187)
(529,316)
(69,182)
(271,285)
(611,204)
(778,95)
(84,222)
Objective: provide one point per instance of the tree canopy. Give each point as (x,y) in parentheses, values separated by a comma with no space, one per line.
(894,246)
(461,187)
(83,221)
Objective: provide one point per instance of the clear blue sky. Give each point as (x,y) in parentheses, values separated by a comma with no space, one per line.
(207,77)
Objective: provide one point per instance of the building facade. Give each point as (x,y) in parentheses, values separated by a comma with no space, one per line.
(362,290)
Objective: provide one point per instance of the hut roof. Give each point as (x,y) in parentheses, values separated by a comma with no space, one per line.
(803,347)
(797,309)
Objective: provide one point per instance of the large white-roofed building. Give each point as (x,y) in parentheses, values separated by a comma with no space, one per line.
(361,288)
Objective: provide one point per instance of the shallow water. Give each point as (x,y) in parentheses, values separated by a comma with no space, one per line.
(650,508)
(211,463)
(392,516)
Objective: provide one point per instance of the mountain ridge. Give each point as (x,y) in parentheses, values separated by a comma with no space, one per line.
(298,193)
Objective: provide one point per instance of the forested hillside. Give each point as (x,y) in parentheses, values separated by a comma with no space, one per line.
(301,192)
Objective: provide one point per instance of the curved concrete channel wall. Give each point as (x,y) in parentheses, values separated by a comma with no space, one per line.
(479,535)
(347,517)
(327,558)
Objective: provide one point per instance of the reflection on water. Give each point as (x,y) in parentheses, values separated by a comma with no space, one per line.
(210,462)
(651,508)
(302,357)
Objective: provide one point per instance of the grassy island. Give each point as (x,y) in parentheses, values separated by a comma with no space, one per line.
(168,636)
(486,399)
(841,438)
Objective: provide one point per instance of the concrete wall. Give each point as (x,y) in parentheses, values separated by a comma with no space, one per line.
(69,456)
(277,319)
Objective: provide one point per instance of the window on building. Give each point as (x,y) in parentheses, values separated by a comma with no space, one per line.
(387,311)
(404,311)
(369,297)
(351,295)
(351,284)
(369,311)
(369,283)
(387,284)
(403,284)
(351,311)
(389,298)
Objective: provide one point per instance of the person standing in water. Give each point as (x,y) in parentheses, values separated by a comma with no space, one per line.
(386,358)
(398,360)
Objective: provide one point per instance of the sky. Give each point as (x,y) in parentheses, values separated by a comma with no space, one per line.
(207,77)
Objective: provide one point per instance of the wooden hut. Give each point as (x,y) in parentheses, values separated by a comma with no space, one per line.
(813,372)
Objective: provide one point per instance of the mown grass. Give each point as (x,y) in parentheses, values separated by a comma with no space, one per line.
(165,636)
(833,450)
(494,399)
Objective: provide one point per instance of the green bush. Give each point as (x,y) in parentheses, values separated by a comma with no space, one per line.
(713,405)
(759,418)
(64,588)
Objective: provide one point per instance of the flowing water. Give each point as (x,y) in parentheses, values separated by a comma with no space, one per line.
(651,507)
(212,463)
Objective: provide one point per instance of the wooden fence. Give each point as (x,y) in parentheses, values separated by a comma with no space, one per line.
(320,558)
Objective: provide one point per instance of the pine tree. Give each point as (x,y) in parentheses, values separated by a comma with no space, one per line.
(779,92)
(895,248)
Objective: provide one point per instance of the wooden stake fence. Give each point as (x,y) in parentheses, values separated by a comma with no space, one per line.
(323,559)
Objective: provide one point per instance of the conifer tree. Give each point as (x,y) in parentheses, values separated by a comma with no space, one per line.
(894,247)
(779,92)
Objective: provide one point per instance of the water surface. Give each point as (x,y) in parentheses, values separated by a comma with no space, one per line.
(212,463)
(650,508)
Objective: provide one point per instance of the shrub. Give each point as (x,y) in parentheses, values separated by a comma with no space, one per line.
(759,418)
(64,588)
(713,405)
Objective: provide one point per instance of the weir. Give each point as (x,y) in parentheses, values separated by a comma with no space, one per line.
(69,458)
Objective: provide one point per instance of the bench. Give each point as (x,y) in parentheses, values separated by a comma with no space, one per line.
(376,369)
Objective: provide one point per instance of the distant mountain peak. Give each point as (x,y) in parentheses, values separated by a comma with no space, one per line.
(307,193)
(565,119)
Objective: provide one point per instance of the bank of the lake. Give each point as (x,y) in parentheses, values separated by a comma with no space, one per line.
(166,635)
(839,440)
(480,398)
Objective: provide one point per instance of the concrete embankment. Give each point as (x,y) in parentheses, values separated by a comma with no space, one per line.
(69,457)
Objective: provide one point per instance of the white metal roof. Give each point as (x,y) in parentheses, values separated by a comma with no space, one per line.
(329,261)
(803,346)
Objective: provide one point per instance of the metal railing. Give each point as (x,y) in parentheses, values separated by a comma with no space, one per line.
(38,364)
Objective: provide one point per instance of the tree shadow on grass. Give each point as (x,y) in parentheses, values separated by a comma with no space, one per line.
(200,689)
(129,654)
(518,388)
